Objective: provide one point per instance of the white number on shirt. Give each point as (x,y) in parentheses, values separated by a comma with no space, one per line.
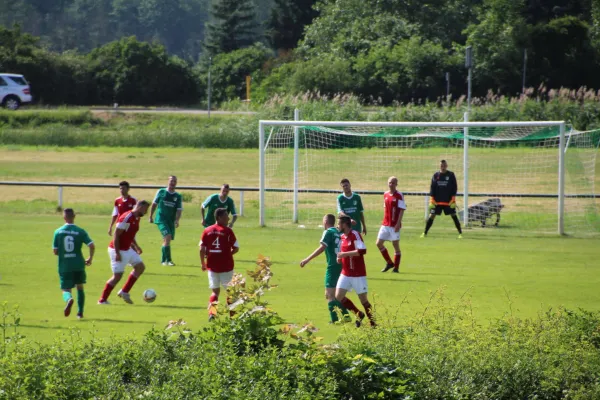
(69,244)
(216,243)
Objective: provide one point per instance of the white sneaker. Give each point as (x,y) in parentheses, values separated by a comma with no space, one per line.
(125,296)
(164,263)
(170,263)
(103,303)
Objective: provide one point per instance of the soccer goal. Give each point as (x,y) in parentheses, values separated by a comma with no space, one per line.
(534,176)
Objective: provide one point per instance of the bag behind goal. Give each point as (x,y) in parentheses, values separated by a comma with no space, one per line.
(539,177)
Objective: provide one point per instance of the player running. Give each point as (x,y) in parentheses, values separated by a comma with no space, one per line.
(218,200)
(218,244)
(354,271)
(350,204)
(330,244)
(123,250)
(443,197)
(394,206)
(122,204)
(170,207)
(68,240)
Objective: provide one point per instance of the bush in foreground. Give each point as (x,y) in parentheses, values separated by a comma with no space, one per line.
(443,353)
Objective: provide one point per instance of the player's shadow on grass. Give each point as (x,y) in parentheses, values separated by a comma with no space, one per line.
(119,320)
(431,273)
(40,326)
(179,307)
(400,279)
(6,284)
(254,261)
(167,274)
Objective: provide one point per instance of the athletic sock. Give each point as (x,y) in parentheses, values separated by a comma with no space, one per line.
(130,282)
(348,304)
(213,297)
(164,254)
(369,312)
(168,253)
(333,307)
(457,224)
(386,255)
(80,300)
(66,296)
(106,292)
(428,226)
(397,258)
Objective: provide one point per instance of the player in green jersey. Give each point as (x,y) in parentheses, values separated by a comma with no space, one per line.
(330,244)
(218,200)
(170,206)
(68,240)
(350,204)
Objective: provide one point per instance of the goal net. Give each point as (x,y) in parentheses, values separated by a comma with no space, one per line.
(513,170)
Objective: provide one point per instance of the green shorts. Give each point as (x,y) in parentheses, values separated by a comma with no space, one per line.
(166,229)
(69,279)
(332,274)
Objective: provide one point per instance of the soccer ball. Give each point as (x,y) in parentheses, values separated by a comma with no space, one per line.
(149,295)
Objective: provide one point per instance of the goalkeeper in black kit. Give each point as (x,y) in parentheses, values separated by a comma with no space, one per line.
(443,197)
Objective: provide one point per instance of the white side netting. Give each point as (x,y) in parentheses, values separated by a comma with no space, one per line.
(513,164)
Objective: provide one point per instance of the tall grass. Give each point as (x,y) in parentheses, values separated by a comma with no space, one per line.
(64,127)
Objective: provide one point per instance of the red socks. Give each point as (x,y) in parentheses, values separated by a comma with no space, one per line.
(349,305)
(397,258)
(386,256)
(369,311)
(130,282)
(106,292)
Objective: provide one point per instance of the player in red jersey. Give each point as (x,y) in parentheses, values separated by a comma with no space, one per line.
(123,250)
(354,271)
(122,205)
(217,247)
(394,206)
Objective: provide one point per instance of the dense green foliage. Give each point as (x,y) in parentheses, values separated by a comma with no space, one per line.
(440,353)
(389,51)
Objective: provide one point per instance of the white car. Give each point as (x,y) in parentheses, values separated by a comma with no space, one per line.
(14,91)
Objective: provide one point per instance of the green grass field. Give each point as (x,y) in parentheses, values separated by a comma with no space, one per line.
(500,271)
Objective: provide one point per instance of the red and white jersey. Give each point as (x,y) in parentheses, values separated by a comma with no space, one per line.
(130,224)
(219,242)
(353,266)
(392,204)
(123,205)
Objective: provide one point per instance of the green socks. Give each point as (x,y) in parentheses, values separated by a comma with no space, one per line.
(80,301)
(333,306)
(166,253)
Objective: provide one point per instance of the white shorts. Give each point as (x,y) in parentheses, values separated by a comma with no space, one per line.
(388,233)
(218,279)
(358,283)
(127,257)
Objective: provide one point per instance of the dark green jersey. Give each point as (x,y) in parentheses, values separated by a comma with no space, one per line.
(331,239)
(68,240)
(213,202)
(351,206)
(167,203)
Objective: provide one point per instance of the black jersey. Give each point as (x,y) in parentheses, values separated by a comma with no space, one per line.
(443,187)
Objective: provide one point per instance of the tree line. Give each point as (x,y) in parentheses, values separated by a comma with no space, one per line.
(385,51)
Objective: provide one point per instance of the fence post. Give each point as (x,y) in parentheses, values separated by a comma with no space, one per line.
(60,197)
(241,203)
(426,207)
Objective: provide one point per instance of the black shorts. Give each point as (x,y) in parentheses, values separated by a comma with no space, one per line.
(447,210)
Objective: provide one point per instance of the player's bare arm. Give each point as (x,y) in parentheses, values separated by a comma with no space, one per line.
(136,247)
(177,217)
(399,223)
(234,250)
(203,216)
(233,219)
(116,244)
(152,209)
(364,224)
(203,257)
(314,254)
(55,251)
(112,224)
(92,248)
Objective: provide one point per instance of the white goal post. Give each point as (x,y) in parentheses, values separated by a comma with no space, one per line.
(522,163)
